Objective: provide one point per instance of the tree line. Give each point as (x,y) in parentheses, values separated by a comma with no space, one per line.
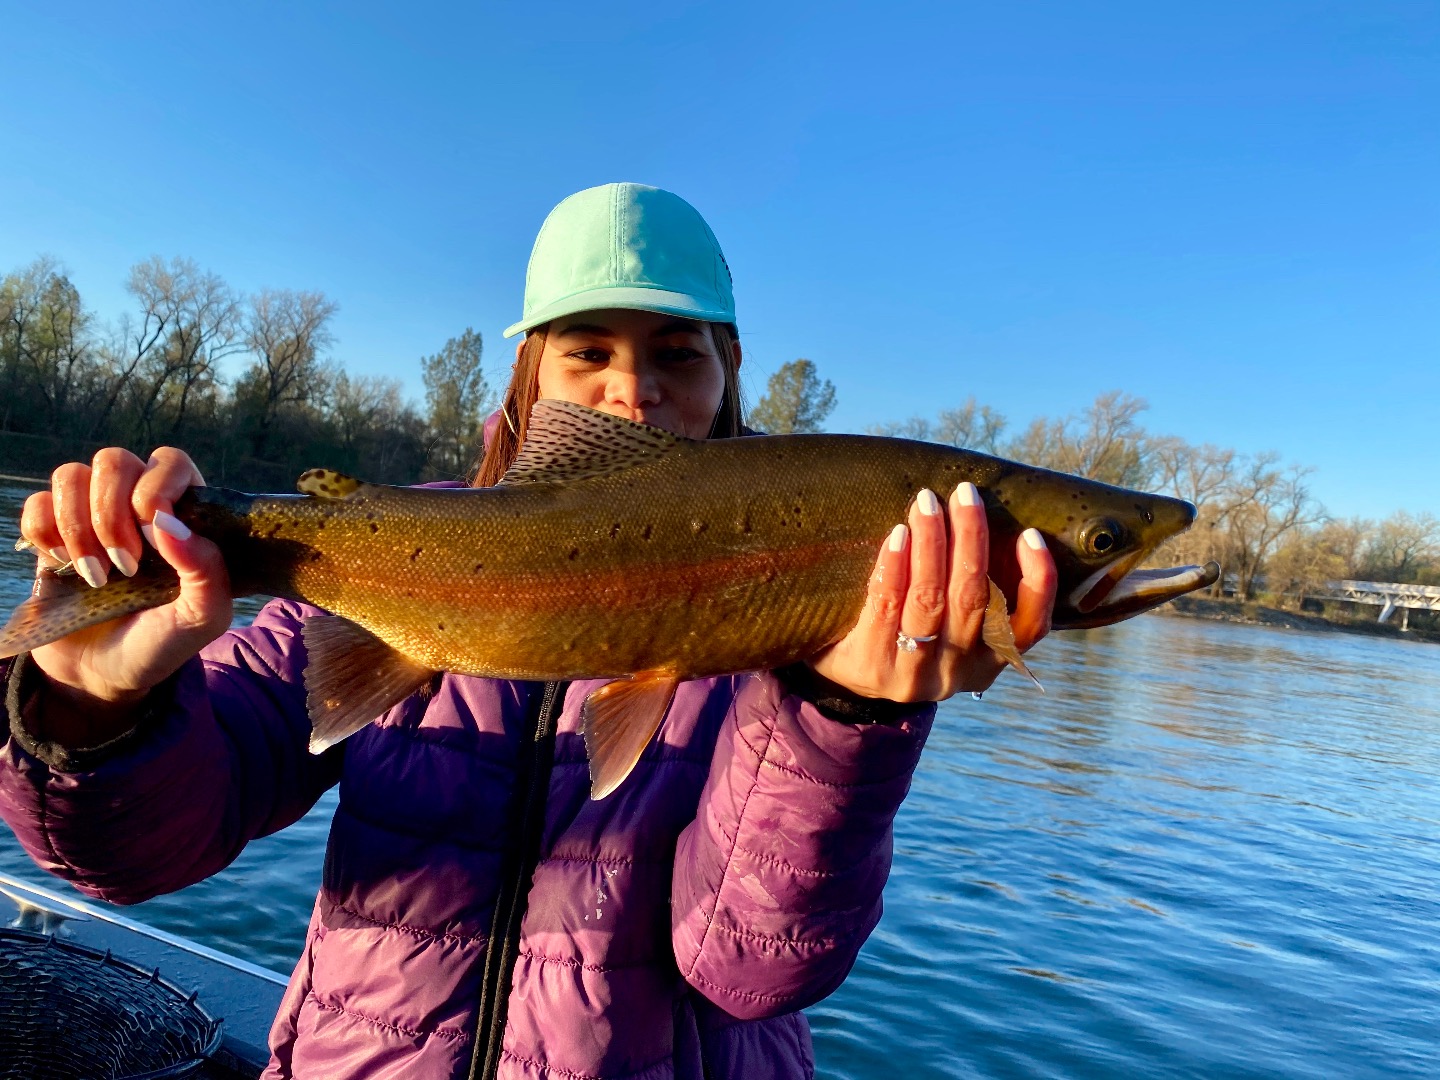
(71,383)
(1257,517)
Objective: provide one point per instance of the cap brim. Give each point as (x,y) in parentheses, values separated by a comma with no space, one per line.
(628,297)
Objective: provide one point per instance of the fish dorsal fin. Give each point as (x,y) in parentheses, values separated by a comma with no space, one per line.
(567,442)
(351,677)
(1000,636)
(619,720)
(328,484)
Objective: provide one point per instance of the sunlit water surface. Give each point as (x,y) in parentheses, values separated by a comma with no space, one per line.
(1207,851)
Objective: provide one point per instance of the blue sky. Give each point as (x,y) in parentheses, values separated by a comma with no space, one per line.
(1231,210)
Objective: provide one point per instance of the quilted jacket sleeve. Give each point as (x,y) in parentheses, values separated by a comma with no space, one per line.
(777,881)
(219,759)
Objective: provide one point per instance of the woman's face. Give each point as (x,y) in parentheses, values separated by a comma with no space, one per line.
(652,368)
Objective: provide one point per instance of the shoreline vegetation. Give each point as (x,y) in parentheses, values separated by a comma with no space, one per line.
(252,387)
(1329,619)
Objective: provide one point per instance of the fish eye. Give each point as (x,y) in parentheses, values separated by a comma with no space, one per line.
(1101,536)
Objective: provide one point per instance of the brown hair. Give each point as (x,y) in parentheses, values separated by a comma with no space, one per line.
(503,445)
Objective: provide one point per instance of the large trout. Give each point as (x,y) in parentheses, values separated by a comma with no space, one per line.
(613,549)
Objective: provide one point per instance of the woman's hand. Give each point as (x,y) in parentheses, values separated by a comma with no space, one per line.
(930,582)
(94,515)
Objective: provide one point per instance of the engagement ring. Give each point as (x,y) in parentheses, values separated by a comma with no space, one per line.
(905,643)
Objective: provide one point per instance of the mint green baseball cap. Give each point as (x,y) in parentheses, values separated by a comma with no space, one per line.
(626,246)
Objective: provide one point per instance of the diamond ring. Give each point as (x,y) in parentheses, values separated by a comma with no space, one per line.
(905,643)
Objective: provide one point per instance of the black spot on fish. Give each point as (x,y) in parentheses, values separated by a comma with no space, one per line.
(415,554)
(478,567)
(614,530)
(440,626)
(574,554)
(645,532)
(374,528)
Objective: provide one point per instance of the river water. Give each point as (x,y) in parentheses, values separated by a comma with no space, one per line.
(1207,850)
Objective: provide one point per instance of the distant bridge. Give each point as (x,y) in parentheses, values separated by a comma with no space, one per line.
(1386,595)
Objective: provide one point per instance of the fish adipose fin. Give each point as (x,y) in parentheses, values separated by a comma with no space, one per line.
(1000,636)
(351,677)
(566,442)
(63,603)
(619,720)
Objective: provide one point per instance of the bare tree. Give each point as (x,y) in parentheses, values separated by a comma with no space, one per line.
(917,427)
(287,332)
(1103,443)
(379,432)
(189,322)
(1401,545)
(1268,503)
(1307,559)
(1204,476)
(971,426)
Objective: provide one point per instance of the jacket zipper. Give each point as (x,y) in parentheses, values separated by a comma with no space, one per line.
(518,868)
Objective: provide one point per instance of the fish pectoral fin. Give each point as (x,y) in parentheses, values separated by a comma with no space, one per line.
(1000,636)
(619,720)
(351,677)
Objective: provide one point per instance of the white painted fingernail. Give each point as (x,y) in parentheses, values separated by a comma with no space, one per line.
(897,537)
(170,525)
(148,532)
(89,568)
(123,560)
(929,504)
(1033,539)
(967,494)
(59,554)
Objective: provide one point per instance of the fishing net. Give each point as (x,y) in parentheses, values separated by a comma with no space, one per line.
(71,1013)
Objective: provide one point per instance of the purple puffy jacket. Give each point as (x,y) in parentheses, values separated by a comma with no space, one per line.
(673,929)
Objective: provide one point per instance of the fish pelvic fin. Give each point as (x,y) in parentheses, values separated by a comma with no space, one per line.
(63,603)
(351,677)
(619,720)
(1000,635)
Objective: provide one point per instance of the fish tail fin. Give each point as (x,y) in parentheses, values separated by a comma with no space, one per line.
(63,603)
(1000,636)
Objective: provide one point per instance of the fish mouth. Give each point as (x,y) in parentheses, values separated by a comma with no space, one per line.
(1117,591)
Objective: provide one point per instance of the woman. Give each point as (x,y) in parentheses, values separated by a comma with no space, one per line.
(480,915)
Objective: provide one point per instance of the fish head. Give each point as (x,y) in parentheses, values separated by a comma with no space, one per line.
(1100,536)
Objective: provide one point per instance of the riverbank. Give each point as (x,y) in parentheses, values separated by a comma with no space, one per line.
(1257,614)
